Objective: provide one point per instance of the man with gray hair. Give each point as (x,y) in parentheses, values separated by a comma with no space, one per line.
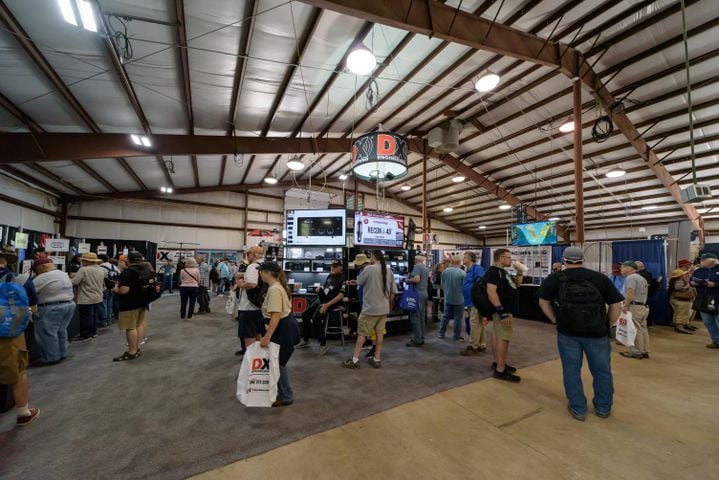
(478,332)
(420,279)
(636,291)
(706,280)
(452,281)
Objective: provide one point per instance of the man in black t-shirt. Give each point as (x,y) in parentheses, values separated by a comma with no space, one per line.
(132,305)
(332,293)
(576,300)
(503,294)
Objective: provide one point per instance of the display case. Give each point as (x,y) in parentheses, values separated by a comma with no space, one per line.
(307,267)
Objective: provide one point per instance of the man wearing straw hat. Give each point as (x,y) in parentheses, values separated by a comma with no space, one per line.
(13,351)
(90,282)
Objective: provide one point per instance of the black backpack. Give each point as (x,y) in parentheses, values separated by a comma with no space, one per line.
(111,279)
(480,299)
(214,276)
(580,306)
(257,295)
(149,285)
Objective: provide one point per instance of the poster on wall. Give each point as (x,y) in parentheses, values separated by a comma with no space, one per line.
(102,250)
(83,248)
(21,240)
(378,230)
(537,259)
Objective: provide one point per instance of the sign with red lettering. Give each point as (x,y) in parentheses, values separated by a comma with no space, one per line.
(380,156)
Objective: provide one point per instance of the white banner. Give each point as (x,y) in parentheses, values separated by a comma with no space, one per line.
(537,259)
(59,262)
(57,245)
(163,255)
(83,248)
(102,250)
(378,230)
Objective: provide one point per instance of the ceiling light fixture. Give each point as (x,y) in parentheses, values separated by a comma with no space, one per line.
(67,12)
(145,142)
(487,82)
(271,180)
(553,219)
(615,173)
(567,127)
(482,227)
(295,163)
(406,188)
(505,206)
(344,177)
(136,140)
(361,61)
(649,207)
(140,141)
(458,179)
(84,8)
(166,189)
(448,209)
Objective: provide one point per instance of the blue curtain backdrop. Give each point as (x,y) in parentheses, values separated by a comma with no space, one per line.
(486,258)
(558,251)
(652,253)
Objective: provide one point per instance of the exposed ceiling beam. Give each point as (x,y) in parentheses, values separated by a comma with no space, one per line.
(24,204)
(242,52)
(30,180)
(185,79)
(19,114)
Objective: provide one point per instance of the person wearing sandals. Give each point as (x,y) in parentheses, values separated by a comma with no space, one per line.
(132,305)
(378,290)
(189,287)
(281,326)
(681,295)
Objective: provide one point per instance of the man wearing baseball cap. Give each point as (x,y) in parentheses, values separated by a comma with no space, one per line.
(576,299)
(706,280)
(315,317)
(636,292)
(13,351)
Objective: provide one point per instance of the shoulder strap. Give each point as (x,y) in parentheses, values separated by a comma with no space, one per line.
(191,275)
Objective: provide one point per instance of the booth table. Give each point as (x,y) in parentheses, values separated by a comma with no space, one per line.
(529,304)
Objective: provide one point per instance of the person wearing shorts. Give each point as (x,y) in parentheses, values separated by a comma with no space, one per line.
(132,318)
(378,290)
(251,323)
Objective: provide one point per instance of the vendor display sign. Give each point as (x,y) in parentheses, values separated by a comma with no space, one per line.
(83,248)
(57,245)
(378,230)
(537,259)
(21,240)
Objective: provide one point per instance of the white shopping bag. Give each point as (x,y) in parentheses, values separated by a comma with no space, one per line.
(259,374)
(626,331)
(231,305)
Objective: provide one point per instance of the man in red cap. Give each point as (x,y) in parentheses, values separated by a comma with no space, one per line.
(685,265)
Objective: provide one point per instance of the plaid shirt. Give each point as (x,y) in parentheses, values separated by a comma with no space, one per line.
(204,275)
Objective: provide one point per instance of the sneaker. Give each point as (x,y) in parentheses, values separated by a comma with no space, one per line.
(23,420)
(459,340)
(679,330)
(577,416)
(645,355)
(303,344)
(282,403)
(506,376)
(713,345)
(691,327)
(324,349)
(412,343)
(507,367)
(631,355)
(350,364)
(441,335)
(602,414)
(470,351)
(374,363)
(371,351)
(144,341)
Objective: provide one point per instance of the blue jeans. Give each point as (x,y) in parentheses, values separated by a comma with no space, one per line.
(51,324)
(712,324)
(88,319)
(456,312)
(598,352)
(418,320)
(284,389)
(222,284)
(108,300)
(167,283)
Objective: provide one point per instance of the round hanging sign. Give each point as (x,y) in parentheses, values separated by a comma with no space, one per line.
(380,156)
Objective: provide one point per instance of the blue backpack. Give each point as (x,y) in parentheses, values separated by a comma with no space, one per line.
(14,307)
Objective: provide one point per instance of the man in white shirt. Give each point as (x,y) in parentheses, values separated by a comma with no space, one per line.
(251,324)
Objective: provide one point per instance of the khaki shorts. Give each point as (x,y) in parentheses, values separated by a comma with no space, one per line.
(132,319)
(13,359)
(368,325)
(503,332)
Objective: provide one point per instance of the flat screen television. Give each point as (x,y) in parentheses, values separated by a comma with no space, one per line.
(537,233)
(378,230)
(316,227)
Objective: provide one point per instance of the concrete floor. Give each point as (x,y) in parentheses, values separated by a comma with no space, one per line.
(664,426)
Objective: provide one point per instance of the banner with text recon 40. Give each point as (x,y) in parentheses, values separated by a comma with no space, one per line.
(378,230)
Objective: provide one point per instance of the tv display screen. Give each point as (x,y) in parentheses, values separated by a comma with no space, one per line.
(537,233)
(378,230)
(316,227)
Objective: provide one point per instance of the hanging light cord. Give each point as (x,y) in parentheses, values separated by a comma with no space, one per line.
(689,92)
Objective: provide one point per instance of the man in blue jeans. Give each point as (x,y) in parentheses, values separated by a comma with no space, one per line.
(576,300)
(452,281)
(706,279)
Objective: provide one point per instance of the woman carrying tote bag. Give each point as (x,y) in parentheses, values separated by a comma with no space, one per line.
(282,328)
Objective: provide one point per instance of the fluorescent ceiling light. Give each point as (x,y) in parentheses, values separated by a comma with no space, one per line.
(169,190)
(487,82)
(448,209)
(553,219)
(458,179)
(406,188)
(649,207)
(68,13)
(615,173)
(295,164)
(163,189)
(505,206)
(270,180)
(145,141)
(361,61)
(87,15)
(344,177)
(566,127)
(483,227)
(136,140)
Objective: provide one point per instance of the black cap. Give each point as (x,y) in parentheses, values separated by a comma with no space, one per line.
(135,257)
(336,264)
(273,267)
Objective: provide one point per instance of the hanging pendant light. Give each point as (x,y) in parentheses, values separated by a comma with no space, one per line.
(271,180)
(380,157)
(615,173)
(295,163)
(567,127)
(361,61)
(487,82)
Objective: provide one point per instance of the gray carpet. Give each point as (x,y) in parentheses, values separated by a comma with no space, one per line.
(173,412)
